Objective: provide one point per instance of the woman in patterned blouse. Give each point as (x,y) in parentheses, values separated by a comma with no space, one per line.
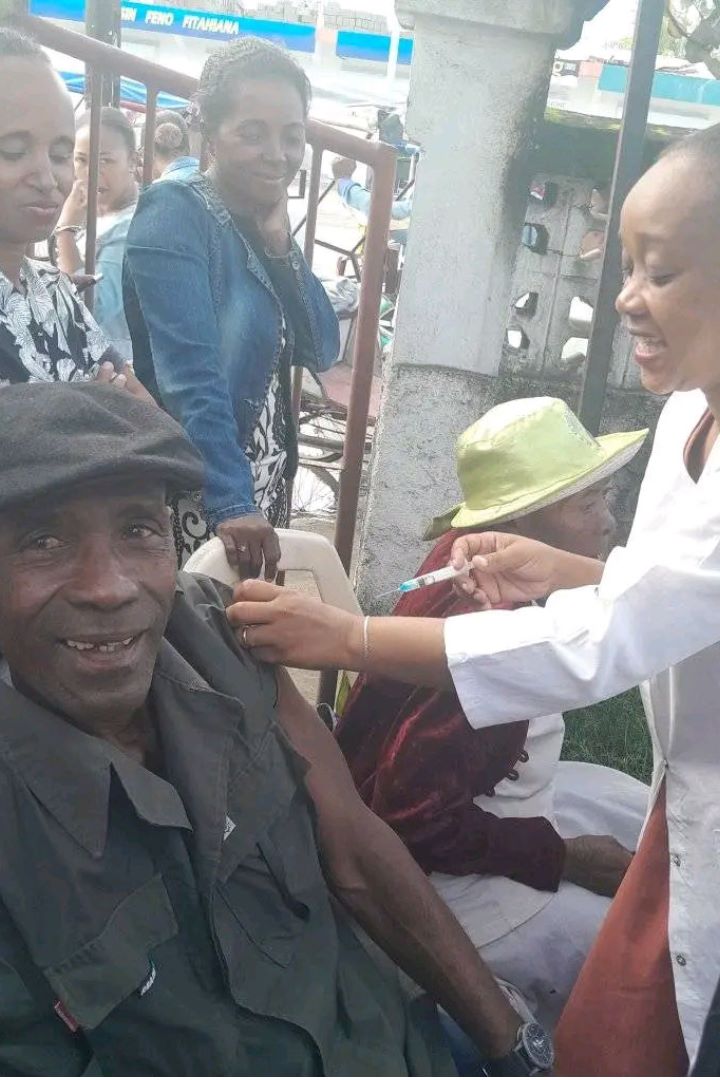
(46,332)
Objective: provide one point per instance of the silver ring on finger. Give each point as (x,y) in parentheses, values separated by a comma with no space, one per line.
(244,638)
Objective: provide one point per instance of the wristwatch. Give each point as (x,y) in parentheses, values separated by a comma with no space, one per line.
(532,1055)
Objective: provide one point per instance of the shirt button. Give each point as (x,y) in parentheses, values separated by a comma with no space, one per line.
(675,859)
(680,959)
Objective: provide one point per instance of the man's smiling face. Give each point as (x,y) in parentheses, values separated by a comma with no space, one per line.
(87,582)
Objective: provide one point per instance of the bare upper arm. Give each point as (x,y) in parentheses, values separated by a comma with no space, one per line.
(340,810)
(329,778)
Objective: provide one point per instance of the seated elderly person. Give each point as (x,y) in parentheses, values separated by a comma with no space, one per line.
(525,849)
(182,847)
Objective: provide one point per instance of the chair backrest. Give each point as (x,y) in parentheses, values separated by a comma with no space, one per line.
(299,551)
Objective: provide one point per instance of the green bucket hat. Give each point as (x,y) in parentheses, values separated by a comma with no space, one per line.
(525,455)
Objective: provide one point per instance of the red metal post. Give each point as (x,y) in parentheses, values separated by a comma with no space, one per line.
(94,80)
(362,373)
(313,194)
(364,355)
(149,138)
(312,204)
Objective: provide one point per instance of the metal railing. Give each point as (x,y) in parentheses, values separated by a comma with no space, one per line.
(104,61)
(628,168)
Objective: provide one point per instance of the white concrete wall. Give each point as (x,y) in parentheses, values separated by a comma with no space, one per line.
(479,83)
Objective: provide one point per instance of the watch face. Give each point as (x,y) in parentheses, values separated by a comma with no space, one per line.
(538,1046)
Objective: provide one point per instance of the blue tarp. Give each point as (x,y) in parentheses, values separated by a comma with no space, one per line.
(131,92)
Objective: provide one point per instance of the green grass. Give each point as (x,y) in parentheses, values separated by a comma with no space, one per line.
(613,733)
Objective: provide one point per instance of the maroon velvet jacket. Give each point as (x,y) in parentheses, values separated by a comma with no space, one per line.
(418,764)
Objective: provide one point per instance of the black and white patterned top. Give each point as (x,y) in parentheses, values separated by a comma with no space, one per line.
(267,449)
(272,447)
(46,332)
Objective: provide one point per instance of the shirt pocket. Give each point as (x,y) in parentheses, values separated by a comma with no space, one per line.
(97,977)
(269,881)
(258,895)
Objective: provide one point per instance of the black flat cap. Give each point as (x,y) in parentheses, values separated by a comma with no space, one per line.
(54,436)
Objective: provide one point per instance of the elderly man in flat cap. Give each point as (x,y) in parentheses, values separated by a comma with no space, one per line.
(181,843)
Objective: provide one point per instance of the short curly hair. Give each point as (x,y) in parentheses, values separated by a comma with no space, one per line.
(238,61)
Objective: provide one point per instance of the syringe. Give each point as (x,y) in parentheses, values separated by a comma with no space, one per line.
(446,574)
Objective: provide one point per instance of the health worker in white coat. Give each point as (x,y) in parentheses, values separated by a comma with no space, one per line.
(650,614)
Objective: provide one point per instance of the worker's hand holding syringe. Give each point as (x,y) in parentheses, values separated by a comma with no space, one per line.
(281,626)
(503,568)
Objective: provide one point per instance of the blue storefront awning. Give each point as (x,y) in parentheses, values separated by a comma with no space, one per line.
(299,37)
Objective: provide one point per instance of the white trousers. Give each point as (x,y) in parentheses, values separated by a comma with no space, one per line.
(542,957)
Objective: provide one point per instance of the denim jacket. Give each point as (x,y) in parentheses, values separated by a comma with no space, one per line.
(214,327)
(181,168)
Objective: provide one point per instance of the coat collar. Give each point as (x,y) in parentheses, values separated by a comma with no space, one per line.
(206,190)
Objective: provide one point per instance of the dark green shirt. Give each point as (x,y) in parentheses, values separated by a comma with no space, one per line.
(181,925)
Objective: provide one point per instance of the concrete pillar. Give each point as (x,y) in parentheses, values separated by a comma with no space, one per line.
(479,82)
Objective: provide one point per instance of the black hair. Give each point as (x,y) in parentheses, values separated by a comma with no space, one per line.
(117,121)
(15,43)
(172,135)
(246,58)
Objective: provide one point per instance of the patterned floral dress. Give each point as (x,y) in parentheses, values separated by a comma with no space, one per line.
(46,332)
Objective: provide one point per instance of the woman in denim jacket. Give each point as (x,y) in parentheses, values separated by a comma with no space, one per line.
(221,302)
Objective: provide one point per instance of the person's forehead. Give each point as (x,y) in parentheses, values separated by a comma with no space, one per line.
(104,494)
(111,141)
(670,204)
(265,99)
(32,97)
(589,494)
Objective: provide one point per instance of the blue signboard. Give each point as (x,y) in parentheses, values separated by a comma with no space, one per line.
(205,24)
(360,45)
(688,88)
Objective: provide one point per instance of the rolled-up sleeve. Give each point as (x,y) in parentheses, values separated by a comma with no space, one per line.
(657,604)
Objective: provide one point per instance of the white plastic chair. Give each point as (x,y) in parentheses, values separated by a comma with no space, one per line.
(299,551)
